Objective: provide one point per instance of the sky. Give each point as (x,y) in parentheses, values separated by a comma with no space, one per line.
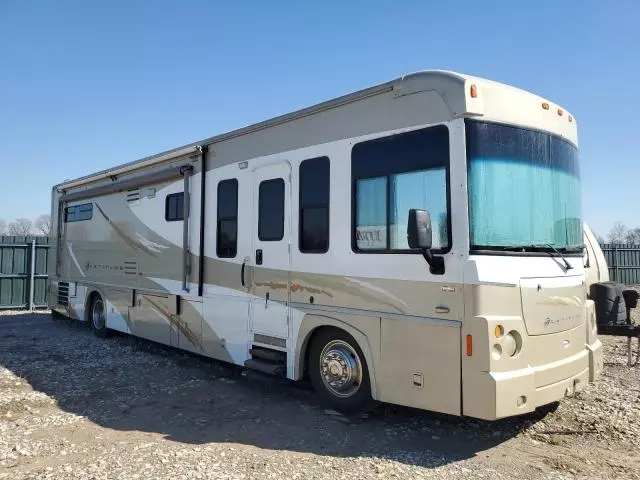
(89,85)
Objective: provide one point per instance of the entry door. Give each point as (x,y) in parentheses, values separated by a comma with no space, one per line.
(271,251)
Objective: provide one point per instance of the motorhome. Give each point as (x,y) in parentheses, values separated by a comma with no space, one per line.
(419,242)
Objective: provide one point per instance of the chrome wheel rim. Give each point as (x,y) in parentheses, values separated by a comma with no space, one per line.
(97,314)
(340,369)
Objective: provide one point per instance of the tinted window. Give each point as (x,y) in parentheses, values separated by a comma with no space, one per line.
(392,175)
(271,210)
(227,236)
(78,213)
(314,206)
(174,207)
(524,189)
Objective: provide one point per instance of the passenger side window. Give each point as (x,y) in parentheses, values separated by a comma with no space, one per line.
(78,213)
(314,206)
(174,207)
(271,210)
(227,233)
(392,175)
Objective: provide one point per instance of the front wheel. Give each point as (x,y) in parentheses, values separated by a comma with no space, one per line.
(339,373)
(98,317)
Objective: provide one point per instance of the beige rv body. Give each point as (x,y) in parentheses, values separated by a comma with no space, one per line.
(163,280)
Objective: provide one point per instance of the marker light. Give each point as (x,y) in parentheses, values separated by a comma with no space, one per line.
(570,119)
(498,331)
(545,105)
(469,345)
(560,112)
(474,91)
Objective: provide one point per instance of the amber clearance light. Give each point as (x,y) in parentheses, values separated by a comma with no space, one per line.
(474,91)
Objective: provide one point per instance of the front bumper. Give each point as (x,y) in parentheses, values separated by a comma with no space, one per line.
(595,360)
(497,395)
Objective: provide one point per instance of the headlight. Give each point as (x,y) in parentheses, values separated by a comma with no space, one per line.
(512,343)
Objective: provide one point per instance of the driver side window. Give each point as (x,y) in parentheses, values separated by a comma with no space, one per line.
(392,175)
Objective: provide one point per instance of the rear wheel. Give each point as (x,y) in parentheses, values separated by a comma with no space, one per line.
(98,317)
(339,373)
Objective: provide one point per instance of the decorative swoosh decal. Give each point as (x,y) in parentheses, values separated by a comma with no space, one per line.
(125,238)
(295,287)
(75,260)
(175,321)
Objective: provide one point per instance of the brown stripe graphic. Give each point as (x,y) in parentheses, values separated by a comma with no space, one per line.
(176,321)
(125,238)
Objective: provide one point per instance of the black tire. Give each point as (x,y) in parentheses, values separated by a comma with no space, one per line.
(97,317)
(331,344)
(610,304)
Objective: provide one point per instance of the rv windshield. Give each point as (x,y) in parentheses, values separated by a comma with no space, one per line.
(524,189)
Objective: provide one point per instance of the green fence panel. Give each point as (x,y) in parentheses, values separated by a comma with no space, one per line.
(5,291)
(17,271)
(40,291)
(623,261)
(20,266)
(42,258)
(17,292)
(6,264)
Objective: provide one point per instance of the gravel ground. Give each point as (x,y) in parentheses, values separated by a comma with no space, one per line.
(75,406)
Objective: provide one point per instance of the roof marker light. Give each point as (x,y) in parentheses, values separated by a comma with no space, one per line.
(560,112)
(570,119)
(545,105)
(474,91)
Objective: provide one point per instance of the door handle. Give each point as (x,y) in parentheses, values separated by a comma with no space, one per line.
(442,309)
(244,262)
(259,256)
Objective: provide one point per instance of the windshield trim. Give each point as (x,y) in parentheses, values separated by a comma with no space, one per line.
(496,251)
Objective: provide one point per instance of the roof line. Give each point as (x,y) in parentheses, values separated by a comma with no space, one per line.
(278,120)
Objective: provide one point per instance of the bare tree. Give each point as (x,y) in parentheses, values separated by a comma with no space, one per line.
(618,233)
(633,236)
(3,227)
(600,239)
(43,223)
(20,227)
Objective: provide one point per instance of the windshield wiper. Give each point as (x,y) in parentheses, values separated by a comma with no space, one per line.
(567,265)
(524,248)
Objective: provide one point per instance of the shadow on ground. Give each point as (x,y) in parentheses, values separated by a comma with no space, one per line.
(128,384)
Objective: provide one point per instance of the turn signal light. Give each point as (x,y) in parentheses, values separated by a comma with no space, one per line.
(474,91)
(469,345)
(498,331)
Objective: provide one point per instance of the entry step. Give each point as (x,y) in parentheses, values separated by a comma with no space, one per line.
(263,366)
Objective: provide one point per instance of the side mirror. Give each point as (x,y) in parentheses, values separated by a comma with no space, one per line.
(419,236)
(419,233)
